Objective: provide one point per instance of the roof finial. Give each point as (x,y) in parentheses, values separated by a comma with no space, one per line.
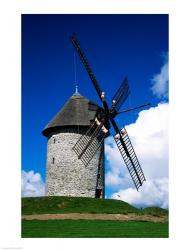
(76,88)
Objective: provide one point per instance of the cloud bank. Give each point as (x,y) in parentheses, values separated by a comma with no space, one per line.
(32,184)
(149,136)
(160,81)
(152,193)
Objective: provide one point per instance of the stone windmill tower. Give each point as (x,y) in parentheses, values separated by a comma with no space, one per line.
(66,175)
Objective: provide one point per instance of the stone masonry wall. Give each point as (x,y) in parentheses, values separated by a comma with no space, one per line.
(66,175)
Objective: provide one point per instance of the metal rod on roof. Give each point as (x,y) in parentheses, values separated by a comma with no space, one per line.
(75,74)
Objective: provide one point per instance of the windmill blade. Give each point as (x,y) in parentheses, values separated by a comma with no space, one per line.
(89,143)
(121,95)
(130,109)
(86,64)
(129,156)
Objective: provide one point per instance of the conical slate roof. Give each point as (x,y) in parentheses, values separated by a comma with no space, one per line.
(78,110)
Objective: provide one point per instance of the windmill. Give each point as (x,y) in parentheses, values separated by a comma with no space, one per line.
(88,144)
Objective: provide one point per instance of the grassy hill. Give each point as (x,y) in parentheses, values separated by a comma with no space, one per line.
(86,227)
(59,204)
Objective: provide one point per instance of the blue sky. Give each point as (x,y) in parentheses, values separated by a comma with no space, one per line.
(116,46)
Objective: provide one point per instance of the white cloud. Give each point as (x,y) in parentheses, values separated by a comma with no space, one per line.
(149,136)
(152,193)
(32,184)
(160,81)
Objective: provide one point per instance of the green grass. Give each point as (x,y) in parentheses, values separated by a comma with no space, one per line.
(90,228)
(42,205)
(59,204)
(155,211)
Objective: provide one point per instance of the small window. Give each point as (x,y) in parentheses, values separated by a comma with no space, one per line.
(98,176)
(53,160)
(54,140)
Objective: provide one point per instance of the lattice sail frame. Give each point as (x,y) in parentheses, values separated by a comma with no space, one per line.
(121,95)
(130,159)
(89,143)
